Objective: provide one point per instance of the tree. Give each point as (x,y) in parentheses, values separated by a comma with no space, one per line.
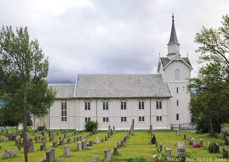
(212,83)
(23,69)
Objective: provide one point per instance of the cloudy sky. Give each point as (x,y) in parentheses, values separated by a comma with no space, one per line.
(111,36)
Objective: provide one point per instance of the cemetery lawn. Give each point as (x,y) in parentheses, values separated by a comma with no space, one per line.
(136,146)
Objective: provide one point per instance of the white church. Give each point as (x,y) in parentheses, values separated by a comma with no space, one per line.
(151,99)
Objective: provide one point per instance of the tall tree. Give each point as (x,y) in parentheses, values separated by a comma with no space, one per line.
(212,83)
(23,69)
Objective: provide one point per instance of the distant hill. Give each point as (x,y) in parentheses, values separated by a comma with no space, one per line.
(60,82)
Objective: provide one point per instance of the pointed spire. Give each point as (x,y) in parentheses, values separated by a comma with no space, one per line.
(173,37)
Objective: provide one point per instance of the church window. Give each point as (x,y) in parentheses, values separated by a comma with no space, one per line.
(123,105)
(177,74)
(105,105)
(141,105)
(177,116)
(105,119)
(87,119)
(177,102)
(63,111)
(87,105)
(123,119)
(141,118)
(159,118)
(158,104)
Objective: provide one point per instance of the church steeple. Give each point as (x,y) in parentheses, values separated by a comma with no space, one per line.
(173,45)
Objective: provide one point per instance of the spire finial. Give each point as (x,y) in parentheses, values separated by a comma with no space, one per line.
(187,55)
(172,15)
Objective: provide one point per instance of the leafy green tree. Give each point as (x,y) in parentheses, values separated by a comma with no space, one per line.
(23,69)
(210,105)
(91,126)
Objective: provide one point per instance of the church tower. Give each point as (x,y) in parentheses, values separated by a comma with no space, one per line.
(175,70)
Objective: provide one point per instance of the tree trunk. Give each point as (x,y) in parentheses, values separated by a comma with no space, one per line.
(25,127)
(210,122)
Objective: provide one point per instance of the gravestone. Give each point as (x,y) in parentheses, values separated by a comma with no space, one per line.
(227,141)
(8,153)
(225,153)
(49,134)
(208,144)
(50,155)
(109,134)
(51,138)
(105,138)
(122,142)
(57,133)
(69,140)
(118,145)
(43,146)
(190,137)
(84,144)
(193,141)
(222,134)
(168,152)
(30,148)
(201,142)
(184,136)
(66,151)
(54,144)
(177,132)
(107,155)
(79,146)
(65,135)
(160,147)
(156,143)
(97,140)
(216,147)
(43,139)
(180,148)
(132,127)
(91,143)
(115,150)
(80,138)
(113,129)
(43,133)
(95,159)
(75,139)
(61,142)
(102,140)
(37,140)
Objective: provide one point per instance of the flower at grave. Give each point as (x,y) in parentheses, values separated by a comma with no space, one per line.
(194,146)
(190,143)
(198,145)
(158,160)
(75,149)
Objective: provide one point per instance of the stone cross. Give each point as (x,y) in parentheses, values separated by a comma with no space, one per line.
(107,155)
(180,148)
(20,145)
(50,155)
(66,151)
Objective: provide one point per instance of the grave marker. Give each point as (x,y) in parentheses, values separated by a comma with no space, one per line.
(95,159)
(79,146)
(180,148)
(97,140)
(66,151)
(225,153)
(168,152)
(107,155)
(50,155)
(115,150)
(54,144)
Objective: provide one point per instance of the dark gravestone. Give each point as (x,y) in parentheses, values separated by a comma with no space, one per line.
(115,150)
(54,144)
(156,143)
(51,138)
(113,129)
(30,147)
(43,146)
(225,153)
(216,147)
(43,139)
(105,138)
(69,140)
(109,134)
(201,142)
(57,133)
(49,134)
(77,138)
(80,138)
(160,147)
(91,143)
(184,136)
(102,140)
(61,142)
(50,155)
(227,141)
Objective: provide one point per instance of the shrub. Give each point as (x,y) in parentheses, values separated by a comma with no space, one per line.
(210,148)
(153,140)
(91,126)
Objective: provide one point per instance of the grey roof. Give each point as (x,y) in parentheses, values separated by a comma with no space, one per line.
(63,90)
(173,37)
(121,86)
(166,60)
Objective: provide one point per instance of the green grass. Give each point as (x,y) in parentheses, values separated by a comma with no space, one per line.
(136,147)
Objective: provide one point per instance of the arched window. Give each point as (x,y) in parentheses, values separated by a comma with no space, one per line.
(177,74)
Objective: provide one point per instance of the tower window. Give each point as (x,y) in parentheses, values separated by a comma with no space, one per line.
(63,111)
(87,105)
(177,102)
(177,74)
(177,117)
(123,105)
(141,105)
(105,105)
(158,105)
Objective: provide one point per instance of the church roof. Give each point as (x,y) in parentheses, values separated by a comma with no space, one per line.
(121,86)
(173,37)
(63,91)
(166,60)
